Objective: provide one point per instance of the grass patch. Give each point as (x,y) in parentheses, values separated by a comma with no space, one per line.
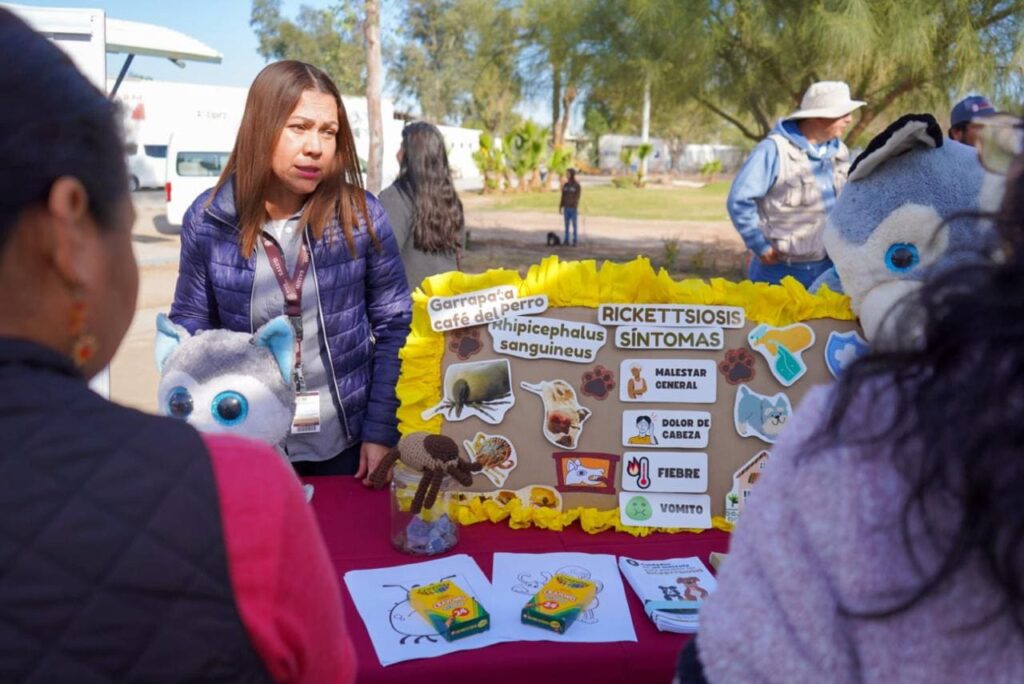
(669,204)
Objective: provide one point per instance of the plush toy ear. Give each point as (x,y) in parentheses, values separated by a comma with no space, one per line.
(278,336)
(906,133)
(168,337)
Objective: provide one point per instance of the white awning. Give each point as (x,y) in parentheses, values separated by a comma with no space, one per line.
(137,38)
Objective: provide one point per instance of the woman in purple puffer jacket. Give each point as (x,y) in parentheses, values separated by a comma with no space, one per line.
(289,230)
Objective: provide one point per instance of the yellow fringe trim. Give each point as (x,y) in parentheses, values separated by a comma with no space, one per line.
(582,284)
(591,520)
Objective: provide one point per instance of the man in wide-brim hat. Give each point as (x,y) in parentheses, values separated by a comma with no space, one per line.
(786,187)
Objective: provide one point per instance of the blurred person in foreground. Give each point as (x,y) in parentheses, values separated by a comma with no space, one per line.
(134,549)
(911,569)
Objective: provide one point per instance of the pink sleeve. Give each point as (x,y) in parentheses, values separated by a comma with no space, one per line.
(285,586)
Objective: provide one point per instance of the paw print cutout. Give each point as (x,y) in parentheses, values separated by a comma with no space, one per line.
(598,383)
(737,367)
(465,342)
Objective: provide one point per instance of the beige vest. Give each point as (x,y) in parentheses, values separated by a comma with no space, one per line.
(793,213)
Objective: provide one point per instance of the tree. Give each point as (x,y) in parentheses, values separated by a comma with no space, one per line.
(525,149)
(645,59)
(490,160)
(895,55)
(748,62)
(431,62)
(326,38)
(558,32)
(458,59)
(375,163)
(496,87)
(559,162)
(643,151)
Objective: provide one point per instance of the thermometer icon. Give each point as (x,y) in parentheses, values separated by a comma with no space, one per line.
(640,469)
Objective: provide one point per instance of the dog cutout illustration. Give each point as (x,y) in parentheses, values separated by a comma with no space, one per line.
(757,415)
(693,591)
(577,474)
(529,583)
(783,349)
(563,415)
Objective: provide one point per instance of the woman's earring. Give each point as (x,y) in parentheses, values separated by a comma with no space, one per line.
(84,347)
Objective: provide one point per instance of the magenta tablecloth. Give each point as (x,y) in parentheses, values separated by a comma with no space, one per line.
(354,521)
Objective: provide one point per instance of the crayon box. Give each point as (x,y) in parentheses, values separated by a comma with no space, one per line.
(450,610)
(558,603)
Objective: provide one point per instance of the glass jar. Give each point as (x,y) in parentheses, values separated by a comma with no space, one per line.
(429,532)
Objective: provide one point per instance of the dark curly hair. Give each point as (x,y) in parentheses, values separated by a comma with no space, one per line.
(53,123)
(427,181)
(956,432)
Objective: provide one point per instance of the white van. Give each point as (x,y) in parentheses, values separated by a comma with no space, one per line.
(194,163)
(147,165)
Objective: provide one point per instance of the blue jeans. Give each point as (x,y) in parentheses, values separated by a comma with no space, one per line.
(569,214)
(804,271)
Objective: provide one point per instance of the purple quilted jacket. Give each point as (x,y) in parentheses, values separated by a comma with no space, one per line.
(365,305)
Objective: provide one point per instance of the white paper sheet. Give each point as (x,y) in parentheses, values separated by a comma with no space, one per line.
(397,631)
(518,576)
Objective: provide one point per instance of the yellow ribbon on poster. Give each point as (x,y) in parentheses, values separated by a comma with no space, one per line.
(583,284)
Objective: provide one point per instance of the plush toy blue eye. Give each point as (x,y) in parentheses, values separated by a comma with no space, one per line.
(902,257)
(230,408)
(179,403)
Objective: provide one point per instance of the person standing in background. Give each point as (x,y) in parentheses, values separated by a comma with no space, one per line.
(423,206)
(569,205)
(963,120)
(786,187)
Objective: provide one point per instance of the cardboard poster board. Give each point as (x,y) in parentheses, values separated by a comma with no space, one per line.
(700,399)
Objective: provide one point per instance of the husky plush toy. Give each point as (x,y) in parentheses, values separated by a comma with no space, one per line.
(223,381)
(910,208)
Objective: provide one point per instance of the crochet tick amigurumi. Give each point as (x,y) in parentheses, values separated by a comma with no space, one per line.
(435,456)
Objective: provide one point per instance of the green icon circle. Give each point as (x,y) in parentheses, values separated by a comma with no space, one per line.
(638,508)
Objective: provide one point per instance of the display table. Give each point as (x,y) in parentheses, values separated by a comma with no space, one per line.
(354,522)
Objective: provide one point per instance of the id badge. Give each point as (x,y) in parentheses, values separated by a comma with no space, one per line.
(307,413)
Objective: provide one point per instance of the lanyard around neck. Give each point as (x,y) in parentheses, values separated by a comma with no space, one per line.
(291,288)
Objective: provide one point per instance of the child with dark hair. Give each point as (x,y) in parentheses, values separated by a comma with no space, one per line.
(424,209)
(134,548)
(886,540)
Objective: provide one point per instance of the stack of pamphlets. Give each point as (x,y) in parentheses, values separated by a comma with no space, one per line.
(671,590)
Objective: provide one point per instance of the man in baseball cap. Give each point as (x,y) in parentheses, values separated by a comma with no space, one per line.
(961,120)
(786,187)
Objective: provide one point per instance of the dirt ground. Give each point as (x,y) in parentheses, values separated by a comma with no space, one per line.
(513,240)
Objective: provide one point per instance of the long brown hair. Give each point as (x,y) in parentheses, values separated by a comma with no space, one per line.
(272,98)
(426,179)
